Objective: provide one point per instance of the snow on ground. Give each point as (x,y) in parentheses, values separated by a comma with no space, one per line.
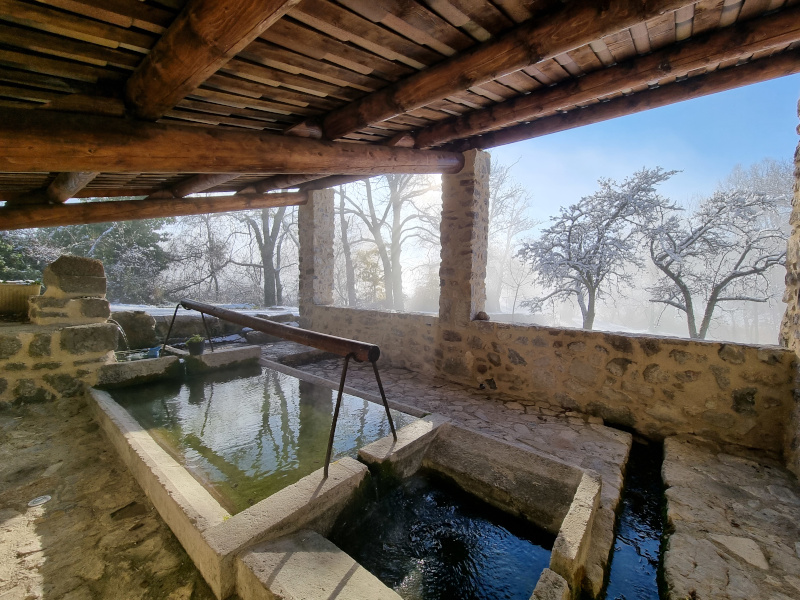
(246,309)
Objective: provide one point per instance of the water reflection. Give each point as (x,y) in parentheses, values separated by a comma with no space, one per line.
(247,437)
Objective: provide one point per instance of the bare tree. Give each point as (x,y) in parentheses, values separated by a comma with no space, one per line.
(388,209)
(591,244)
(265,227)
(721,253)
(508,206)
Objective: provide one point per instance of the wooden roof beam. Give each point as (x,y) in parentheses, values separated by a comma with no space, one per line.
(202,38)
(130,210)
(573,25)
(193,185)
(61,189)
(43,141)
(786,63)
(773,31)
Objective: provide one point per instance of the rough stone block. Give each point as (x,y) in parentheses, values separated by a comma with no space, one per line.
(223,359)
(9,346)
(139,371)
(75,277)
(85,339)
(259,337)
(65,384)
(305,565)
(551,586)
(46,310)
(139,328)
(28,392)
(40,345)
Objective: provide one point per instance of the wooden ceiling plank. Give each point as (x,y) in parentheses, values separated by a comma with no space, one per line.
(37,141)
(57,21)
(580,23)
(133,210)
(203,37)
(707,14)
(54,66)
(771,31)
(123,13)
(717,81)
(48,43)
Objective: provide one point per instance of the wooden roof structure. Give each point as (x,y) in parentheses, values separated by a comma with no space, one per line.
(165,98)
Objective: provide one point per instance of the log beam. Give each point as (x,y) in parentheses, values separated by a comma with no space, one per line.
(193,185)
(42,141)
(574,25)
(24,217)
(203,38)
(770,32)
(787,63)
(61,189)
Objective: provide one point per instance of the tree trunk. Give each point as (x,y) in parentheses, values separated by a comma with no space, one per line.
(588,315)
(397,233)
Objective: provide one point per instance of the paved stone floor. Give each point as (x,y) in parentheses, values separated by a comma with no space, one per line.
(736,524)
(574,438)
(99,536)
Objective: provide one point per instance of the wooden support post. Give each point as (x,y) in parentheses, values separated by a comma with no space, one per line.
(131,210)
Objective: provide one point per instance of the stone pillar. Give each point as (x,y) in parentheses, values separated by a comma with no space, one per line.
(315,230)
(462,274)
(790,326)
(464,235)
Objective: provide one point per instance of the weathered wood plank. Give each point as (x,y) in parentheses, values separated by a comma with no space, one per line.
(772,31)
(721,80)
(37,141)
(204,36)
(582,22)
(133,210)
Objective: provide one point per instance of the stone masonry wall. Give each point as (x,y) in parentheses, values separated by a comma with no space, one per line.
(658,386)
(790,327)
(315,231)
(42,363)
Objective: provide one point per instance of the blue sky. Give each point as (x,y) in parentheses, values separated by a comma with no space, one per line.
(703,138)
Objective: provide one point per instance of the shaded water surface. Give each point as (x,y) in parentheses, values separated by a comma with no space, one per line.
(429,540)
(248,435)
(637,547)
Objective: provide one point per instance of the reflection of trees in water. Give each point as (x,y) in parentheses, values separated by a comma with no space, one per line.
(315,414)
(273,389)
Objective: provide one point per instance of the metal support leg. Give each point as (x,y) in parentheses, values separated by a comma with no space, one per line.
(385,401)
(208,333)
(336,414)
(171,323)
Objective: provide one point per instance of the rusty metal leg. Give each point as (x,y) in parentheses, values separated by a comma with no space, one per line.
(336,414)
(208,333)
(385,401)
(171,323)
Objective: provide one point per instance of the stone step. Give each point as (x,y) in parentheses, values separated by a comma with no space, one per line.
(305,565)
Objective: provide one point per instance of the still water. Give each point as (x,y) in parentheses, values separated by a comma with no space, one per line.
(428,540)
(248,435)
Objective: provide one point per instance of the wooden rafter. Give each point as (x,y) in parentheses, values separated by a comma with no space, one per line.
(577,24)
(203,38)
(34,141)
(773,31)
(130,210)
(787,63)
(194,185)
(61,189)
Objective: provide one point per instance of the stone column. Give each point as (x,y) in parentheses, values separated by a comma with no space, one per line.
(790,326)
(462,274)
(315,230)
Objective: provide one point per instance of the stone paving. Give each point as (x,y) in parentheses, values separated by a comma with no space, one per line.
(575,438)
(735,520)
(99,536)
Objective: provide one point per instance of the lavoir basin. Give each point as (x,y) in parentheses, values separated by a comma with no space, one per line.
(246,435)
